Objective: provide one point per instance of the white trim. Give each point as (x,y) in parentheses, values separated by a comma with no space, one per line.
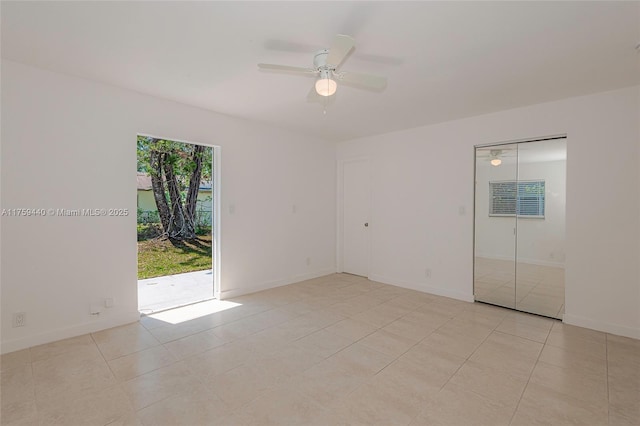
(67,332)
(227,294)
(619,330)
(148,135)
(419,286)
(217,221)
(525,140)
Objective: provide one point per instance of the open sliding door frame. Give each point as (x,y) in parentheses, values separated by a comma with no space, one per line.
(216,263)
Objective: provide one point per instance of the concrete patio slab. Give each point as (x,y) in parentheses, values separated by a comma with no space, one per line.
(170,291)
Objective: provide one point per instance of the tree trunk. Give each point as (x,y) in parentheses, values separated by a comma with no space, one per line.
(194,186)
(179,228)
(158,189)
(178,220)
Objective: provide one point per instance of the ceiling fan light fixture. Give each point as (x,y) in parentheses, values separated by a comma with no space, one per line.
(496,162)
(326,86)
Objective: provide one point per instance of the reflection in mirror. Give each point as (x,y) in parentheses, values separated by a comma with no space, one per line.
(495,228)
(520,225)
(541,227)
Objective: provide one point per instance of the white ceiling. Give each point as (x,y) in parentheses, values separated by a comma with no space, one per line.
(443,60)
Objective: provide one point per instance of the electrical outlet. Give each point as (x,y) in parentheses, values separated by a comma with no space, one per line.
(19,319)
(427,273)
(308,261)
(95,308)
(108,302)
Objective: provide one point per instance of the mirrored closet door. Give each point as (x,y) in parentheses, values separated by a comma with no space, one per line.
(519,226)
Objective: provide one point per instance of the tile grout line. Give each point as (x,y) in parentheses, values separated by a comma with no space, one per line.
(117,382)
(33,377)
(461,365)
(238,409)
(473,352)
(521,337)
(374,350)
(421,340)
(322,311)
(529,378)
(299,373)
(453,374)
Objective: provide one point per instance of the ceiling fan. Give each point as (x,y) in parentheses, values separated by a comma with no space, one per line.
(325,65)
(495,156)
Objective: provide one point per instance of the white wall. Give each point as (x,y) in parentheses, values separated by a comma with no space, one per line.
(422,176)
(540,240)
(71,143)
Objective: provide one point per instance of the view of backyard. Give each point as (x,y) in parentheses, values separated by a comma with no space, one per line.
(158,257)
(174,230)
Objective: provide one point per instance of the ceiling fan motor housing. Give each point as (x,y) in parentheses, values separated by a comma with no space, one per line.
(320,59)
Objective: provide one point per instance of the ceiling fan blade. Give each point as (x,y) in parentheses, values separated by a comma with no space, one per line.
(286,68)
(364,81)
(340,48)
(387,60)
(290,46)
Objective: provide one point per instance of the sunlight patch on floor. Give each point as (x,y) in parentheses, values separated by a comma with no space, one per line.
(197,310)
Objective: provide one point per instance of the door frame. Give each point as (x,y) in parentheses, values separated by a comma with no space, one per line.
(216,223)
(216,198)
(340,213)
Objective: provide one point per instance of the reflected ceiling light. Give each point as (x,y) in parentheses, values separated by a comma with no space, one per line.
(326,86)
(496,162)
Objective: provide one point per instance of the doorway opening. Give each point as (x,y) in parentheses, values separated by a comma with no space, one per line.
(177,223)
(354,204)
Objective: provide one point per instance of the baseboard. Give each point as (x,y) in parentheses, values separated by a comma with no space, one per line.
(619,330)
(67,332)
(227,294)
(438,291)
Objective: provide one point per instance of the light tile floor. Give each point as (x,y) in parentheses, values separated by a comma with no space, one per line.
(335,350)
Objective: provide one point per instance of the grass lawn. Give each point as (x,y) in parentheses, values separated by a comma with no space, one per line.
(157,258)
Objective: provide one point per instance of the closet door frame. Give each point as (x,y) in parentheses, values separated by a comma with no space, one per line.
(497,145)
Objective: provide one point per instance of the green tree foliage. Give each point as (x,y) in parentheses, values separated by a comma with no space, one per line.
(176,171)
(181,150)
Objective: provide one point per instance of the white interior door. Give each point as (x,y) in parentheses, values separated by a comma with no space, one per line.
(355,231)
